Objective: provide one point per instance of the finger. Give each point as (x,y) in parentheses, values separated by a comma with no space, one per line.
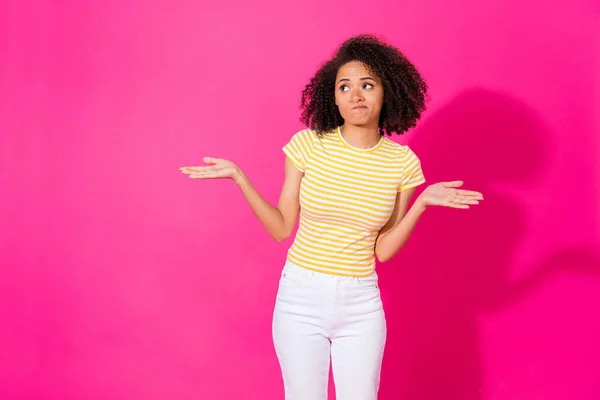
(469,193)
(189,169)
(460,200)
(193,170)
(215,173)
(456,205)
(211,160)
(204,175)
(468,196)
(453,184)
(203,168)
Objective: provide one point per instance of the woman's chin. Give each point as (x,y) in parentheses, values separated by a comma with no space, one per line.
(362,122)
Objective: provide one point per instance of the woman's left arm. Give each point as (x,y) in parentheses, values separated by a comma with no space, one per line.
(396,232)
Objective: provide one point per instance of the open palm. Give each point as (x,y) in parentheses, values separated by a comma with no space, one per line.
(447,194)
(220,169)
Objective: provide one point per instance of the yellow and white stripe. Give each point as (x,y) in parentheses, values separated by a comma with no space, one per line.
(346,196)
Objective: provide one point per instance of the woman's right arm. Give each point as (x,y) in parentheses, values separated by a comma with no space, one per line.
(279,221)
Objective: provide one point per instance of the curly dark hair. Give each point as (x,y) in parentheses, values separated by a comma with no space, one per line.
(404,90)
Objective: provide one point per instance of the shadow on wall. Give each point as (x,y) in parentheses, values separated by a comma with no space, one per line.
(456,265)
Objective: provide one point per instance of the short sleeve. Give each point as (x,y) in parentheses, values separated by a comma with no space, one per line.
(298,149)
(412,174)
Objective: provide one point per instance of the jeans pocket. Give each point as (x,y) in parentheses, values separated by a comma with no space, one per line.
(292,278)
(368,284)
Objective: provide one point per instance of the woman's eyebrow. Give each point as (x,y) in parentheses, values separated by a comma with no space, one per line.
(362,79)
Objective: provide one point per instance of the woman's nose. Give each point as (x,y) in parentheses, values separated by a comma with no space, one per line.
(356,95)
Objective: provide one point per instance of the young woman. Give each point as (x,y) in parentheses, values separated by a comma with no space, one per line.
(351,186)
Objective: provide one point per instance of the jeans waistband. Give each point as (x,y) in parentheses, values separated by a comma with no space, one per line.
(293,268)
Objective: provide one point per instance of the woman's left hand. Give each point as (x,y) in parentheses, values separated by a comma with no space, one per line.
(447,194)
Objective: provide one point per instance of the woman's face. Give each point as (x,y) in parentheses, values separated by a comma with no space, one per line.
(358,95)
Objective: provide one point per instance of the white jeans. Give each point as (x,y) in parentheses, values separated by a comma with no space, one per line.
(318,316)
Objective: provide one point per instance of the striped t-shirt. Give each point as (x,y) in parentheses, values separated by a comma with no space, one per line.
(347,195)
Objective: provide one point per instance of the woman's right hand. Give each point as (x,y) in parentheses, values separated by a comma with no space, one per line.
(219,169)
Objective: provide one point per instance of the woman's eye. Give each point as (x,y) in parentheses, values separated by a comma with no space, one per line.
(345,88)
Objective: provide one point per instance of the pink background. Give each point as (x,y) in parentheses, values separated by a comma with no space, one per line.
(123,279)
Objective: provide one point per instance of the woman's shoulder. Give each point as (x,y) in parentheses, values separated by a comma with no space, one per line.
(305,134)
(398,151)
(393,147)
(314,132)
(305,138)
(309,135)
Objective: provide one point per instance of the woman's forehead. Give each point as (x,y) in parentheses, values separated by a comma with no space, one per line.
(354,70)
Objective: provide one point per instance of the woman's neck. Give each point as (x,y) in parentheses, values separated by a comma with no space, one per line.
(359,136)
